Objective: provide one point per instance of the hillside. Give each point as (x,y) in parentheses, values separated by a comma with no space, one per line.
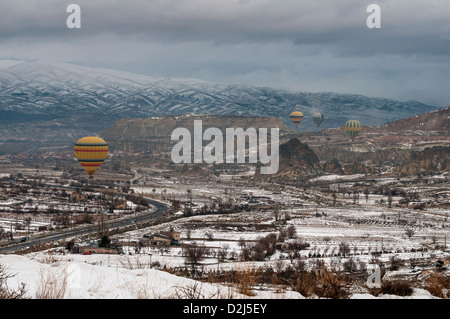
(154,133)
(297,160)
(392,142)
(75,100)
(430,160)
(436,121)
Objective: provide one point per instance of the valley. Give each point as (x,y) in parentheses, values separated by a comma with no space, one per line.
(337,213)
(338,220)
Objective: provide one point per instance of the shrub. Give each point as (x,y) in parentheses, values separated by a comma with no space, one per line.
(350,265)
(396,287)
(331,286)
(396,263)
(305,284)
(298,244)
(324,284)
(5,292)
(438,285)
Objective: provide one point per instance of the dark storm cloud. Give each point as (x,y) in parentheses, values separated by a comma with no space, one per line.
(301,45)
(422,27)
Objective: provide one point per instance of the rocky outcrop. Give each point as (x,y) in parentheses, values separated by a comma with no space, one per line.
(358,168)
(154,133)
(297,162)
(333,167)
(393,142)
(429,161)
(296,154)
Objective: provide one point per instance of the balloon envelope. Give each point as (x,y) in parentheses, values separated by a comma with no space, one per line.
(353,128)
(317,118)
(296,117)
(90,152)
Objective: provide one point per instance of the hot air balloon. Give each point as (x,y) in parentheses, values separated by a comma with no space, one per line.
(91,151)
(353,128)
(296,117)
(317,118)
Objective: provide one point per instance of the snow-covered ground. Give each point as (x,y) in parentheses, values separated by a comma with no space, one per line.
(114,277)
(108,277)
(366,228)
(134,275)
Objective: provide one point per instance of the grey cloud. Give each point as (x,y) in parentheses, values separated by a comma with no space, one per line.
(300,45)
(303,22)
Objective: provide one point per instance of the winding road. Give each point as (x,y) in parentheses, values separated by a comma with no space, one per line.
(159,209)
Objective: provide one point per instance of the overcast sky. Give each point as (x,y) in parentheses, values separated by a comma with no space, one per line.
(291,44)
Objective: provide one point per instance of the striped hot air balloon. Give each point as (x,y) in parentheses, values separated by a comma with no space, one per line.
(353,128)
(296,117)
(91,151)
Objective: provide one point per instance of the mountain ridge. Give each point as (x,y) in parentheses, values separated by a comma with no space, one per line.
(58,90)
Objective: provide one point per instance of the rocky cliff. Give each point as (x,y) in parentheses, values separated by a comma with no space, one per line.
(154,133)
(429,161)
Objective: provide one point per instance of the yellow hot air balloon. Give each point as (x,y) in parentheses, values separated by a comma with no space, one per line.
(296,117)
(353,128)
(91,151)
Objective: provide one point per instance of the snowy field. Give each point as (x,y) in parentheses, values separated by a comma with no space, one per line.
(134,274)
(106,277)
(368,228)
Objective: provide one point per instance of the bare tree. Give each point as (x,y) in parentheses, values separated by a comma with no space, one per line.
(355,196)
(242,242)
(350,265)
(434,239)
(276,213)
(194,254)
(366,194)
(188,233)
(390,198)
(223,252)
(28,223)
(409,232)
(395,263)
(110,201)
(287,215)
(282,234)
(344,248)
(209,236)
(291,231)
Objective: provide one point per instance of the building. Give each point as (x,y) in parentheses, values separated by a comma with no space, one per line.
(95,249)
(163,238)
(77,197)
(121,204)
(157,239)
(173,235)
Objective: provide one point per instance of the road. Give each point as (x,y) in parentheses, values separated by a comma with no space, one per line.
(158,210)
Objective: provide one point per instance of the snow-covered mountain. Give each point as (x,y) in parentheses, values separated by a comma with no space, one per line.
(66,93)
